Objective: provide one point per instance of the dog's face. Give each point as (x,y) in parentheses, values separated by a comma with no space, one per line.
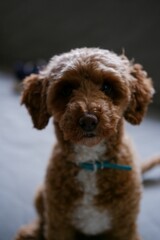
(88,92)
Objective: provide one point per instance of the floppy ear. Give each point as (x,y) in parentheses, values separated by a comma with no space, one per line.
(34,97)
(141,94)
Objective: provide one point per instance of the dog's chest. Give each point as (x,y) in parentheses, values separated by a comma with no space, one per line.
(87,217)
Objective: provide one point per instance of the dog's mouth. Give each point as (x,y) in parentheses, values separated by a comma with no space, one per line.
(89,139)
(89,135)
(84,138)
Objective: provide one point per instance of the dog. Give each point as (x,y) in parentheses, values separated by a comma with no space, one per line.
(93,181)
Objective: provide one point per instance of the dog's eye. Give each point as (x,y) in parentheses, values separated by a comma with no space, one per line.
(106,88)
(66,91)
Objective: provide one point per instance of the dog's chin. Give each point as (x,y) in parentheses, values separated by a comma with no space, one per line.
(89,141)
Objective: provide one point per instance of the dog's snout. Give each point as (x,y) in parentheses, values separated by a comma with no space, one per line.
(88,122)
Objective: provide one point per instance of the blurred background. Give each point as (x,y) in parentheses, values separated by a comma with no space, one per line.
(30,33)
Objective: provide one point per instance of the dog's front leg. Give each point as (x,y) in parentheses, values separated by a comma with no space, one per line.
(57,225)
(61,193)
(61,232)
(123,234)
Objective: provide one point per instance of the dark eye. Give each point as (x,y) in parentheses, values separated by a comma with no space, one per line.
(66,91)
(107,88)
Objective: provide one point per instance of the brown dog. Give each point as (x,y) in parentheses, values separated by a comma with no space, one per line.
(93,183)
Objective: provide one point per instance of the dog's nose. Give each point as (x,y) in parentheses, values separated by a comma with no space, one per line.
(88,122)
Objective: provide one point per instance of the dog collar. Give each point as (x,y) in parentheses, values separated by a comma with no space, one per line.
(97,165)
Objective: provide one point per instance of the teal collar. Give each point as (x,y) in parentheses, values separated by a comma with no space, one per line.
(97,165)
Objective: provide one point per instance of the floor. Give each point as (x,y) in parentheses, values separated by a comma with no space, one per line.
(23,158)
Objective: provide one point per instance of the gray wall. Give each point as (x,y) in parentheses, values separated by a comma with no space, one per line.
(35,29)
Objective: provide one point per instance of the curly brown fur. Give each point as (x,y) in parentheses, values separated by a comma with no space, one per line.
(89,92)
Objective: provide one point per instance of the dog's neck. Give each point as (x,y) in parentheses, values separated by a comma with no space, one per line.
(92,154)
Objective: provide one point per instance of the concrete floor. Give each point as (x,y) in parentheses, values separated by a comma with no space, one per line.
(24,152)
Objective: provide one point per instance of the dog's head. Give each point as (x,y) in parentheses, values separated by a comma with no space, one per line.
(88,92)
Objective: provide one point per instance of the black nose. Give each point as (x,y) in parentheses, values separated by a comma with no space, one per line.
(88,122)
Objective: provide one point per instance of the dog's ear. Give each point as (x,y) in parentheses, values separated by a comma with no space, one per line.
(34,97)
(141,94)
